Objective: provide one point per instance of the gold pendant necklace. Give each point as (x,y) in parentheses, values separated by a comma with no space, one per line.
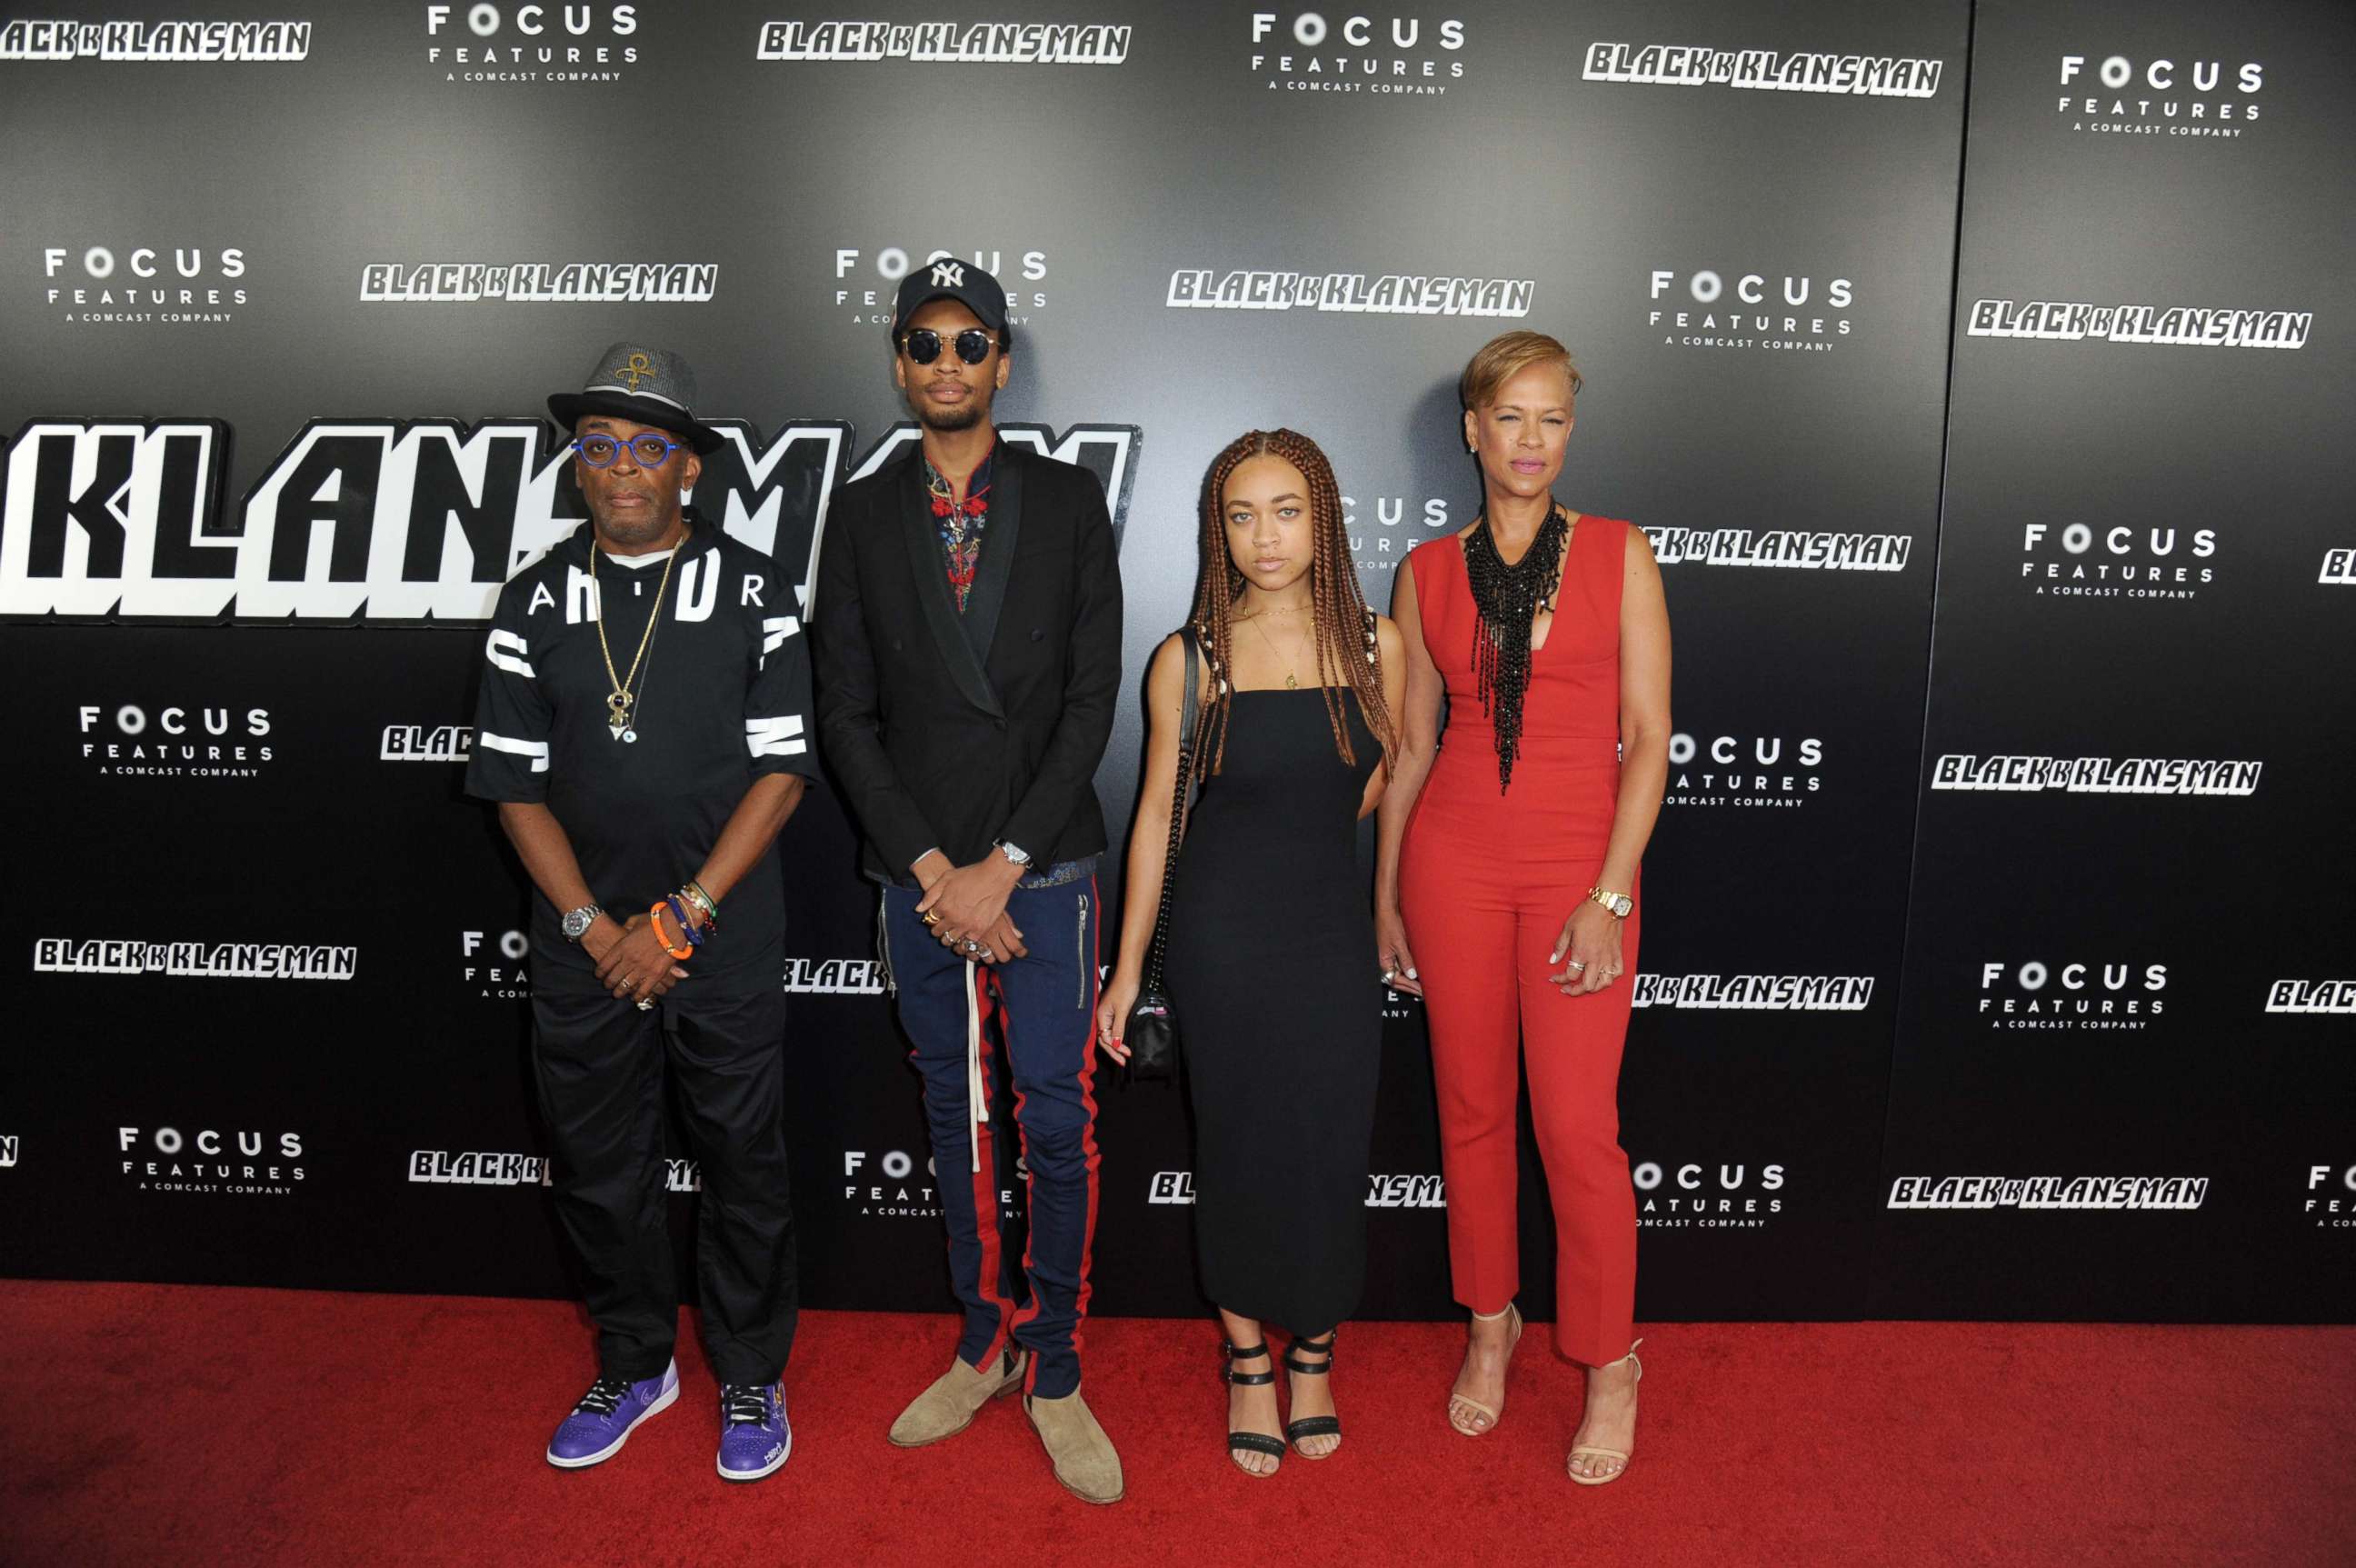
(620,700)
(1292,681)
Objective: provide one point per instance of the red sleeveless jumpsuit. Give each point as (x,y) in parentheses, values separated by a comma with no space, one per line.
(1486,881)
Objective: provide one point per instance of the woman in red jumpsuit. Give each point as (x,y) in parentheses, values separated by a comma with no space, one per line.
(1506,885)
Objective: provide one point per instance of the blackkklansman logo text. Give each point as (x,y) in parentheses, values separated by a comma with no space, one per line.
(172,43)
(426,743)
(486,1168)
(2084,1192)
(1763,71)
(945,43)
(2165,326)
(389,521)
(195,960)
(834,976)
(1384,1189)
(1754,992)
(538,283)
(1349,293)
(2316,996)
(1786,548)
(2095,775)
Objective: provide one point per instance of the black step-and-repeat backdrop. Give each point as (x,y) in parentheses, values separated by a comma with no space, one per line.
(1974,361)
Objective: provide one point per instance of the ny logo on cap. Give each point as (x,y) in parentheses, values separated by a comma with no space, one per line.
(948,275)
(639,368)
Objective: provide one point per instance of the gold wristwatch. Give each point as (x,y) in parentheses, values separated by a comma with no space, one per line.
(1619,904)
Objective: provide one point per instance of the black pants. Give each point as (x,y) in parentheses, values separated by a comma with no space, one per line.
(599,1064)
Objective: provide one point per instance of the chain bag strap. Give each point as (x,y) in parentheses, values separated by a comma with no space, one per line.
(1152,1032)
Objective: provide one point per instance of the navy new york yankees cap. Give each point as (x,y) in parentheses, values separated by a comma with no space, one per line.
(950,278)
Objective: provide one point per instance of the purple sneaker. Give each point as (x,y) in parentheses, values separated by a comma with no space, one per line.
(601,1422)
(754,1437)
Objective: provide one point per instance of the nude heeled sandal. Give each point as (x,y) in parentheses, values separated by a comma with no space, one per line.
(1594,1453)
(1513,1338)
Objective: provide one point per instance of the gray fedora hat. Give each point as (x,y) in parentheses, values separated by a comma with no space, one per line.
(644,385)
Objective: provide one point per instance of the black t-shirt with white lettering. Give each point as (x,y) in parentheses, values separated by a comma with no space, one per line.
(722,698)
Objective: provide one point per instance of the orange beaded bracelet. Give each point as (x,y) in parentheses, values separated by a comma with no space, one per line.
(656,914)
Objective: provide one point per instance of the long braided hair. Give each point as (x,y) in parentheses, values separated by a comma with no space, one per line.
(1342,628)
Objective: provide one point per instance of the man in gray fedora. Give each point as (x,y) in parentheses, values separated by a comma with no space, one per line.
(644,726)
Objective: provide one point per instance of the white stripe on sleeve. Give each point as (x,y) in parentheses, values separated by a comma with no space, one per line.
(535,750)
(776,737)
(512,663)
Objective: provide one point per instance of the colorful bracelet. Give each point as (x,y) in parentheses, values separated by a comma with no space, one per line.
(693,892)
(686,927)
(655,915)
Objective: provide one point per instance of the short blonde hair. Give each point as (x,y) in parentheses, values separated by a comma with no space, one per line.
(1507,354)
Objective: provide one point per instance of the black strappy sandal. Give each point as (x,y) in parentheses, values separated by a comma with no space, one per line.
(1312,1425)
(1251,1441)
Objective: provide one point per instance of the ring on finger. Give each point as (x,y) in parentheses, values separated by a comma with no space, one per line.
(1577,965)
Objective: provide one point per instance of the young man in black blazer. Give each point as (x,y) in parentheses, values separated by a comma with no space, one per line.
(967,628)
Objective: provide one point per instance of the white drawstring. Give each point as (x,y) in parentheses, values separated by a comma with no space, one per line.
(977,1112)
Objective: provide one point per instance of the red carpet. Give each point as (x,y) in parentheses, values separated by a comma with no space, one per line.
(155,1423)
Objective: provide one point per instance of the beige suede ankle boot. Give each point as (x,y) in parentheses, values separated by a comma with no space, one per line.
(1084,1457)
(949,1406)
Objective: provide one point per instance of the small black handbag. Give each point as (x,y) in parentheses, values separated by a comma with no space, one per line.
(1153,1032)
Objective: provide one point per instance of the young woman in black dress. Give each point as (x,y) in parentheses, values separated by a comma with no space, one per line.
(1271,963)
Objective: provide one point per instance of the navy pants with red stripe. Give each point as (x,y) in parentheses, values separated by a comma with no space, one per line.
(1037,1018)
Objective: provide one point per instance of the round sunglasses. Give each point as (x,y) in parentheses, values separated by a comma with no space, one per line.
(923,345)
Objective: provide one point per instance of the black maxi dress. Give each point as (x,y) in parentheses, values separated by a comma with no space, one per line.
(1271,966)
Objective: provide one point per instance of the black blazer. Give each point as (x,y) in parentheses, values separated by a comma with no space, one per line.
(956,731)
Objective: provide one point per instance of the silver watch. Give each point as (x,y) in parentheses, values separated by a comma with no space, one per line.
(1016,854)
(578,922)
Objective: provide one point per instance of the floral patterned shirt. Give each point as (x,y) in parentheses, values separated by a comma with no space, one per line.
(961,525)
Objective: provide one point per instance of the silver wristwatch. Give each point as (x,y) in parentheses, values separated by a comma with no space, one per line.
(1016,854)
(578,922)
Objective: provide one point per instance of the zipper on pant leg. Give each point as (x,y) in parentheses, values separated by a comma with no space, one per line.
(1080,951)
(884,946)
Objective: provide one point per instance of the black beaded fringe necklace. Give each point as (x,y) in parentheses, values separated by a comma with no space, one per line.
(1509,598)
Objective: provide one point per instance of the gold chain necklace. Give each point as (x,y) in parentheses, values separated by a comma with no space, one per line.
(1292,681)
(620,700)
